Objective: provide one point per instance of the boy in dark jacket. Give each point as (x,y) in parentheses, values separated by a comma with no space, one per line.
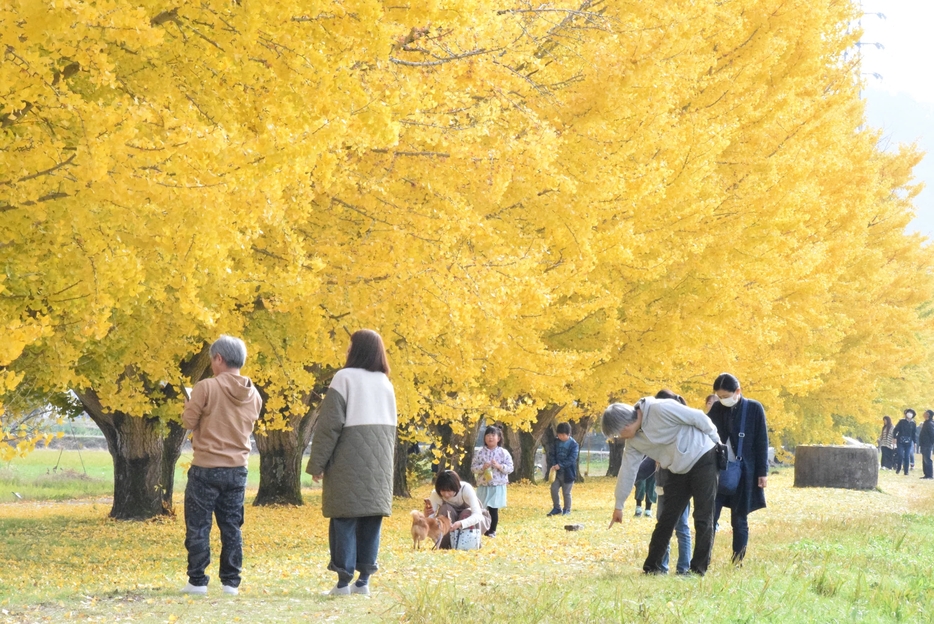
(563,460)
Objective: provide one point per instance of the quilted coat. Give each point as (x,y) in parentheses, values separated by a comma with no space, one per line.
(353,444)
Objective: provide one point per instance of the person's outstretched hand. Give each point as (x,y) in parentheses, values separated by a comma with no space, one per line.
(617,518)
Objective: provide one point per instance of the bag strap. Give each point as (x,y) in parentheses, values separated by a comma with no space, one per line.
(742,432)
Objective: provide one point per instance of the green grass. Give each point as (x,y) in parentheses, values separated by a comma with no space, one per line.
(815,556)
(57,475)
(48,474)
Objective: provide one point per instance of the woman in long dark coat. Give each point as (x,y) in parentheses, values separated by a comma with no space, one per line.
(726,415)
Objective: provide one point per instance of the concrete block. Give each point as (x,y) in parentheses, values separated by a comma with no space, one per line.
(847,467)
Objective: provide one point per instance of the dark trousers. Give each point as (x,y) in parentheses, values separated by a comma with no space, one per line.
(218,492)
(740,524)
(888,457)
(926,464)
(700,484)
(354,544)
(904,452)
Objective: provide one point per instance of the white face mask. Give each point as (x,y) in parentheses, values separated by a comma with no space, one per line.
(730,401)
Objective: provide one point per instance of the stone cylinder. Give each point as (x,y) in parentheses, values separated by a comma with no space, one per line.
(848,467)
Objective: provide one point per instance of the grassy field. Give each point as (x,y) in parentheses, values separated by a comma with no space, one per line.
(815,556)
(62,475)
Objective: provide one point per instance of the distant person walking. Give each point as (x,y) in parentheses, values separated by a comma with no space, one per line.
(352,452)
(729,415)
(220,415)
(905,432)
(926,444)
(887,444)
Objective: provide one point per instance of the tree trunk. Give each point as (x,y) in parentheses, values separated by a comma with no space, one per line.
(579,431)
(400,469)
(280,459)
(144,461)
(445,434)
(145,450)
(616,457)
(171,451)
(523,444)
(280,468)
(548,443)
(461,447)
(281,439)
(467,446)
(528,446)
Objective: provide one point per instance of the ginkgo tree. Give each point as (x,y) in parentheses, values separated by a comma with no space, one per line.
(539,206)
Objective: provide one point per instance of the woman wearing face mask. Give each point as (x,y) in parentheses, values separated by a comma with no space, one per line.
(727,415)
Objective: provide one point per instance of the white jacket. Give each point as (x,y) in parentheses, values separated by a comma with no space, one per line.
(466,498)
(674,435)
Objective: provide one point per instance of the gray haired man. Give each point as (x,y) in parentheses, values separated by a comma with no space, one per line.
(220,415)
(682,440)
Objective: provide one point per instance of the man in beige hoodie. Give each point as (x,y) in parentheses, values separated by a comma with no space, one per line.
(220,415)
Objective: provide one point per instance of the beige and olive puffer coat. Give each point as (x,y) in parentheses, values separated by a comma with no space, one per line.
(353,444)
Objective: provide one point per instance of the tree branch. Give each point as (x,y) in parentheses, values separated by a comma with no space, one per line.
(442,61)
(40,173)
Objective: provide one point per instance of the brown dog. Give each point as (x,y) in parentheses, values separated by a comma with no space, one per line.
(438,528)
(419,529)
(433,528)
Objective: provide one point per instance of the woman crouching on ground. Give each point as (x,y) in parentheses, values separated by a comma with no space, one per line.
(459,503)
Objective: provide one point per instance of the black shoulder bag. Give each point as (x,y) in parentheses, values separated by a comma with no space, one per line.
(729,476)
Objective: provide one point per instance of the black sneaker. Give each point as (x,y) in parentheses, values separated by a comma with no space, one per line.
(554,512)
(565,512)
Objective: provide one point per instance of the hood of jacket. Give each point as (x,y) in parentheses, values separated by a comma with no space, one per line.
(237,388)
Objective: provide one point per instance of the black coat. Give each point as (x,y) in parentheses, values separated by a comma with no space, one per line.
(749,496)
(926,437)
(905,430)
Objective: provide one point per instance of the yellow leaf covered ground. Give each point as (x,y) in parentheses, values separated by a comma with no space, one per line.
(67,560)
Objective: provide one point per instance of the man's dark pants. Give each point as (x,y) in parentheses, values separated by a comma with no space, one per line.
(218,492)
(699,483)
(926,464)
